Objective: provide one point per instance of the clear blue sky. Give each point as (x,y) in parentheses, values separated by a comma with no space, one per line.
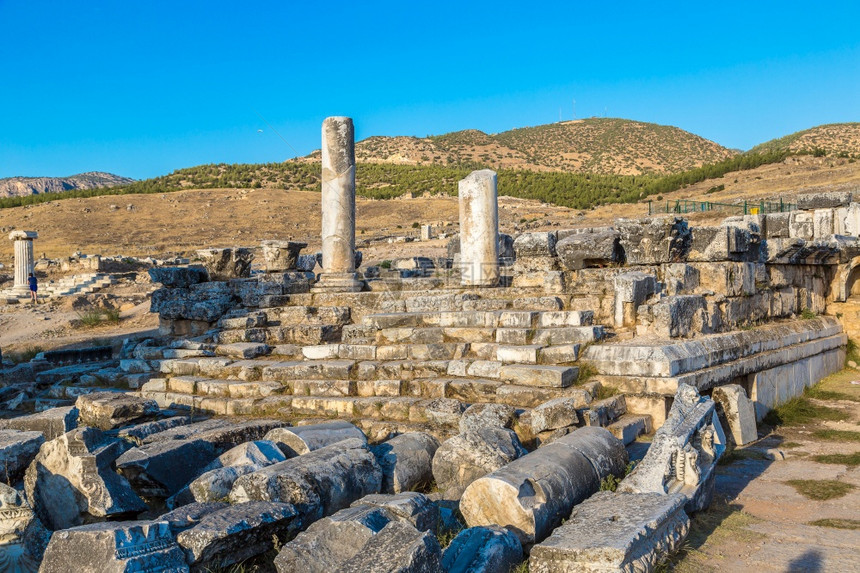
(140,88)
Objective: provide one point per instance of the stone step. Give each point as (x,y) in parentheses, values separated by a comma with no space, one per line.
(480,319)
(630,426)
(540,375)
(273,335)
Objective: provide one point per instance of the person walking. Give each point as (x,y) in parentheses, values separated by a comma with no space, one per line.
(34,286)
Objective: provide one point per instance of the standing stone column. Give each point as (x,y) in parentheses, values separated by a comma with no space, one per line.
(338,207)
(479,229)
(24,259)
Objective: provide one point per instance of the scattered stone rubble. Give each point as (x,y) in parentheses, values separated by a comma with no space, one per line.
(347,417)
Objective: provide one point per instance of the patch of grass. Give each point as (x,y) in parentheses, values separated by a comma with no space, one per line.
(837,523)
(26,354)
(522,567)
(837,435)
(820,489)
(800,410)
(586,372)
(604,392)
(821,394)
(95,317)
(850,460)
(736,454)
(807,314)
(852,352)
(791,445)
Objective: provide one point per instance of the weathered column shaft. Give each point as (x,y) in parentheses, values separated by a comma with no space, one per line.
(479,229)
(24,259)
(338,195)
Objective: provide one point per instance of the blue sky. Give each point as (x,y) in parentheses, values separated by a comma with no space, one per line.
(140,88)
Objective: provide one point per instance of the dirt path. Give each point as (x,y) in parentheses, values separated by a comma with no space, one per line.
(760,522)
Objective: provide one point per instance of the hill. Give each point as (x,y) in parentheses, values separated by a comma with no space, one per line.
(23,186)
(606,146)
(837,139)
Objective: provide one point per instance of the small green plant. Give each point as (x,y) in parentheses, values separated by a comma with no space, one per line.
(820,489)
(522,567)
(609,483)
(386,264)
(25,355)
(586,372)
(90,318)
(416,225)
(807,314)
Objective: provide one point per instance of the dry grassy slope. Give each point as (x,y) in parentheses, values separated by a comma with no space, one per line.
(596,145)
(834,138)
(187,220)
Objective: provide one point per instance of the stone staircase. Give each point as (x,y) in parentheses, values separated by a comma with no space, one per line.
(77,284)
(393,371)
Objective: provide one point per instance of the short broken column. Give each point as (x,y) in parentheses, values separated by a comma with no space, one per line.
(338,207)
(533,494)
(479,229)
(24,259)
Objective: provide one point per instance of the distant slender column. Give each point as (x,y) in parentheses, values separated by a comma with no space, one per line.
(24,259)
(479,229)
(338,206)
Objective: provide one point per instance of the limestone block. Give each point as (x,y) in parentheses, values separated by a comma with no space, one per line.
(299,440)
(615,532)
(51,423)
(114,547)
(684,453)
(531,495)
(675,317)
(72,481)
(318,483)
(398,547)
(822,223)
(329,542)
(22,536)
(655,240)
(464,458)
(535,245)
(589,250)
(777,225)
(414,508)
(680,278)
(490,549)
(205,302)
(218,477)
(546,376)
(236,533)
(109,410)
(161,469)
(406,461)
(17,450)
(178,276)
(801,225)
(555,414)
(737,414)
(226,264)
(479,416)
(824,200)
(631,290)
(281,255)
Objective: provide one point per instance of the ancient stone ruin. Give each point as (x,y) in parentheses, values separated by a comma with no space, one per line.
(340,421)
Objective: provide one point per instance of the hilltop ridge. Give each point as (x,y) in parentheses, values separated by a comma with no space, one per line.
(23,186)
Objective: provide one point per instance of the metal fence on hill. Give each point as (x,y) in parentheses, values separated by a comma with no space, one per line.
(696,206)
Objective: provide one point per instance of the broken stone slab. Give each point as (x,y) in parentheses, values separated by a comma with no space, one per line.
(281,255)
(138,433)
(490,549)
(114,547)
(555,414)
(72,481)
(51,423)
(318,483)
(737,414)
(17,450)
(331,541)
(226,264)
(23,538)
(535,245)
(109,410)
(654,240)
(218,477)
(397,548)
(236,533)
(615,532)
(185,431)
(683,456)
(412,507)
(464,458)
(479,416)
(406,461)
(589,250)
(298,440)
(161,469)
(190,515)
(204,302)
(531,495)
(182,277)
(823,200)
